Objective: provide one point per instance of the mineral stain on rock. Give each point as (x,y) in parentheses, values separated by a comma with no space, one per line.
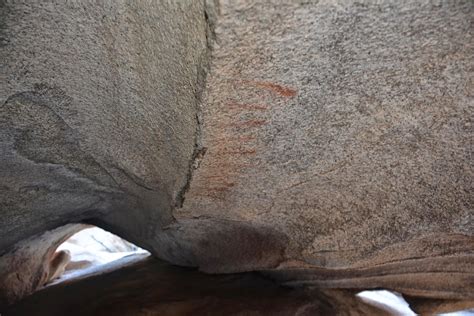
(279,89)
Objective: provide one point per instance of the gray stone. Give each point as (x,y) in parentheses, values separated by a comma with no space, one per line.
(330,144)
(347,127)
(98,112)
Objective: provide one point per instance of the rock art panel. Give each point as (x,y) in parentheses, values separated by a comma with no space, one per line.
(326,143)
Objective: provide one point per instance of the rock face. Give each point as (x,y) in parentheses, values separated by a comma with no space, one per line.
(98,112)
(329,145)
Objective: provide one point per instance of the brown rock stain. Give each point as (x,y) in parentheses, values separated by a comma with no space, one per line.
(217,189)
(279,89)
(227,159)
(232,144)
(226,184)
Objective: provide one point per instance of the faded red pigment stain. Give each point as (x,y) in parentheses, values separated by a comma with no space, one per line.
(279,89)
(233,139)
(223,186)
(233,144)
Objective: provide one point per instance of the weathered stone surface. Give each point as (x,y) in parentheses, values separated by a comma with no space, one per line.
(155,288)
(333,146)
(98,112)
(345,126)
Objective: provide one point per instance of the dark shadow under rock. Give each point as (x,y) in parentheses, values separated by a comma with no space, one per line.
(152,287)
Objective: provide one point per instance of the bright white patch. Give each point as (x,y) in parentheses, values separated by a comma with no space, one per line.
(393,302)
(396,305)
(93,247)
(469,312)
